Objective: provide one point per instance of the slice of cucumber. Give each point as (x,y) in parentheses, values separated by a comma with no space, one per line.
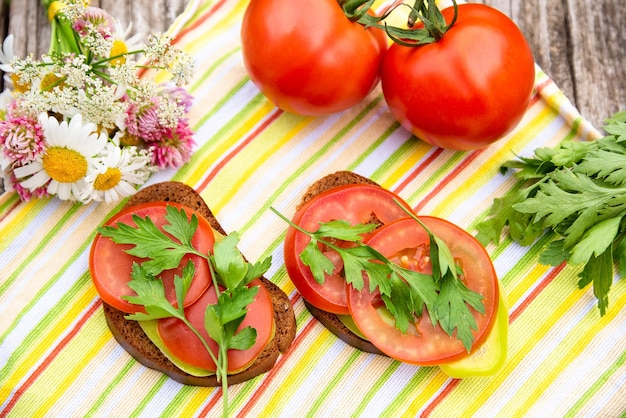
(150,328)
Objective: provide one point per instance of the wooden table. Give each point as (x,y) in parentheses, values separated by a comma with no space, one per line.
(580,44)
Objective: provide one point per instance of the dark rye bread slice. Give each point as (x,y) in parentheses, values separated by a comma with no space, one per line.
(132,338)
(330,320)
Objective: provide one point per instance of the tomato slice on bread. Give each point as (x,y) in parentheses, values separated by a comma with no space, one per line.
(406,243)
(355,203)
(187,347)
(111,266)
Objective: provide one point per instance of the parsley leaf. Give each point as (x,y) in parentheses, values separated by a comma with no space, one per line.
(599,271)
(151,243)
(319,264)
(231,267)
(151,293)
(576,192)
(222,319)
(452,309)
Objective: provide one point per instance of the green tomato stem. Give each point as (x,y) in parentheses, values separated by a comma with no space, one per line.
(426,11)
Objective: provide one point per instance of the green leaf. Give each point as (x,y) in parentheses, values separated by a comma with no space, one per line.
(599,271)
(151,294)
(618,129)
(233,303)
(581,199)
(343,230)
(314,259)
(243,340)
(619,253)
(182,284)
(422,285)
(213,324)
(258,269)
(179,225)
(357,260)
(446,261)
(399,303)
(565,194)
(554,254)
(228,261)
(452,309)
(521,227)
(570,153)
(595,241)
(605,164)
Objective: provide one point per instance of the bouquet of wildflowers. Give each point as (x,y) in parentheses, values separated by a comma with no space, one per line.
(80,123)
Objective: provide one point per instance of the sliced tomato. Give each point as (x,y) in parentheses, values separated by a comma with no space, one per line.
(111,266)
(186,346)
(406,243)
(356,204)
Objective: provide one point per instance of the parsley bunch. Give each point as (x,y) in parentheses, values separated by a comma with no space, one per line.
(230,272)
(404,292)
(577,192)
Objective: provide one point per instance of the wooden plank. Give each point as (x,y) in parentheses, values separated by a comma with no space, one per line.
(146,16)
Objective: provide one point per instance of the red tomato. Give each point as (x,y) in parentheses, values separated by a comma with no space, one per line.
(185,345)
(466,90)
(406,243)
(111,266)
(353,203)
(307,57)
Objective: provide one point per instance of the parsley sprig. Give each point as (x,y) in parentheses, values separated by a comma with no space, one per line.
(576,192)
(230,272)
(405,292)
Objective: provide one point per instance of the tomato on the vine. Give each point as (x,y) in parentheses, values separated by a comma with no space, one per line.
(307,57)
(467,89)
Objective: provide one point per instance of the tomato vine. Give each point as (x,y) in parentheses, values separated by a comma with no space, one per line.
(426,11)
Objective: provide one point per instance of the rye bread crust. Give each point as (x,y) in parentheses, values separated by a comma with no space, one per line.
(132,338)
(330,320)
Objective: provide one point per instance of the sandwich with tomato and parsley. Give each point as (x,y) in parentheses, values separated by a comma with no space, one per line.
(418,289)
(179,296)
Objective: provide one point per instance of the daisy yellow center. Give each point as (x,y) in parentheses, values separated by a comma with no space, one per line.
(108,180)
(50,81)
(118,48)
(64,165)
(18,86)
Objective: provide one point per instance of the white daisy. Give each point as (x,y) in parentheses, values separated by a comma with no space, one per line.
(69,155)
(122,43)
(116,174)
(7,54)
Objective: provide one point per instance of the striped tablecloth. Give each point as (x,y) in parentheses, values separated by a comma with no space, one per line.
(57,357)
